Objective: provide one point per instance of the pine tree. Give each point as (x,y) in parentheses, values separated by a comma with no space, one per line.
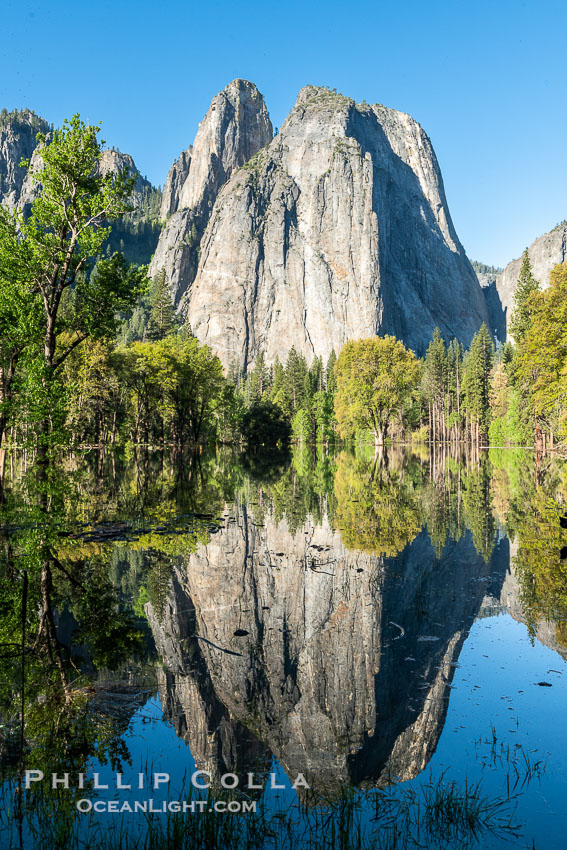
(279,392)
(163,319)
(476,383)
(330,372)
(257,381)
(455,356)
(316,376)
(435,383)
(295,375)
(526,286)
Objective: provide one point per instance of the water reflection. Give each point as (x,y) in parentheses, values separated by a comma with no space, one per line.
(311,609)
(339,660)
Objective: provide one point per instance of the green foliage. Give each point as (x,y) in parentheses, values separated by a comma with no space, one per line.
(508,426)
(375,381)
(137,232)
(541,361)
(477,505)
(476,381)
(302,426)
(163,320)
(434,382)
(526,288)
(377,509)
(23,118)
(175,387)
(264,424)
(483,268)
(48,256)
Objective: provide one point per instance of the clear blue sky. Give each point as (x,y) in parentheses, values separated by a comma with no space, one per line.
(486,80)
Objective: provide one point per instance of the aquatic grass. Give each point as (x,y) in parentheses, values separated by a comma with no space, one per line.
(521,768)
(434,814)
(458,812)
(439,813)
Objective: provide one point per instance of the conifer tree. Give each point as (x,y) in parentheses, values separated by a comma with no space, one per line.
(455,356)
(163,319)
(476,383)
(257,381)
(435,383)
(316,376)
(523,307)
(279,391)
(330,372)
(295,375)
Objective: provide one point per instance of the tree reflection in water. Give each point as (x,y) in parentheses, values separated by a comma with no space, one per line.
(311,609)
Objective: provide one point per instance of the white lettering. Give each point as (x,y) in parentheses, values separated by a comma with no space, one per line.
(84,805)
(97,785)
(225,780)
(273,783)
(197,773)
(32,776)
(119,782)
(300,780)
(55,781)
(251,785)
(160,779)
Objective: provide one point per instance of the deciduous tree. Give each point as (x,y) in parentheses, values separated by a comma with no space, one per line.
(375,380)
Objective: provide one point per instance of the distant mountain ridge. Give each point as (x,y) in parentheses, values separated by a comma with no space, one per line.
(18,130)
(136,234)
(545,252)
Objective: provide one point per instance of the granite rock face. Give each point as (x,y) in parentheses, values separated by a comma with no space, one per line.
(176,178)
(18,141)
(338,230)
(337,661)
(544,253)
(135,234)
(113,161)
(18,186)
(236,126)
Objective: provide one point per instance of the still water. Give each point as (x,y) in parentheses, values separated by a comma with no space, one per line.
(388,631)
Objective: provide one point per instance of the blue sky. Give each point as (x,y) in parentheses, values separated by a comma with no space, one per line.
(486,81)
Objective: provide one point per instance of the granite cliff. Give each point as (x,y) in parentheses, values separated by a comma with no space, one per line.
(235,127)
(18,131)
(136,234)
(544,253)
(338,229)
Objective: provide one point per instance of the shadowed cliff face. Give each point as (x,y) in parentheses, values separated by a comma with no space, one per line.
(337,661)
(545,253)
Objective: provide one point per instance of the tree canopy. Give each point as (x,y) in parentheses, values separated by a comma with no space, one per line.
(375,380)
(47,259)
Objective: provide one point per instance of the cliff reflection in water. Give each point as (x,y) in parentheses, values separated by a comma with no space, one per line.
(329,637)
